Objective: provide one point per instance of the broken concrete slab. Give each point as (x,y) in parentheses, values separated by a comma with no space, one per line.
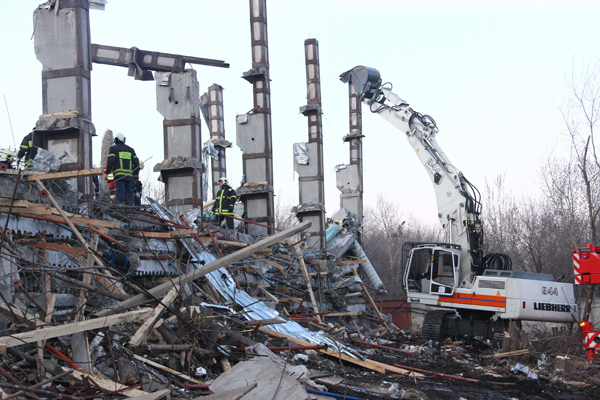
(272,381)
(234,394)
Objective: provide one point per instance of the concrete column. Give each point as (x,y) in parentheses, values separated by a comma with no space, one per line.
(349,180)
(62,45)
(178,100)
(310,168)
(216,124)
(253,130)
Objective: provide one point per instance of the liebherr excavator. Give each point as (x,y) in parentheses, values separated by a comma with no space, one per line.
(475,294)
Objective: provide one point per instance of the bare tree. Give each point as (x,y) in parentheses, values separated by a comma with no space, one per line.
(284,217)
(573,184)
(151,186)
(499,215)
(385,230)
(530,230)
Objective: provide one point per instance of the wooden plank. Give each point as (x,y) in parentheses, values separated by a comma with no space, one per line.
(39,355)
(169,370)
(366,292)
(107,282)
(342,314)
(225,365)
(164,394)
(350,262)
(64,175)
(75,251)
(233,394)
(269,295)
(316,261)
(16,314)
(290,299)
(107,384)
(232,243)
(507,354)
(67,329)
(64,215)
(271,263)
(97,223)
(165,235)
(79,341)
(26,210)
(22,203)
(370,364)
(365,364)
(262,322)
(307,279)
(142,332)
(55,216)
(205,269)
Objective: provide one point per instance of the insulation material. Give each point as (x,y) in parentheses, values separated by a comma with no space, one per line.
(300,150)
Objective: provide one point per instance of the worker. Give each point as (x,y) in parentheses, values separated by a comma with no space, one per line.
(112,187)
(137,190)
(8,156)
(27,149)
(120,164)
(224,203)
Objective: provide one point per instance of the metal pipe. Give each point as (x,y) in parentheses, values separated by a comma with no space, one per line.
(283,348)
(107,237)
(64,358)
(172,225)
(336,396)
(460,378)
(382,347)
(160,219)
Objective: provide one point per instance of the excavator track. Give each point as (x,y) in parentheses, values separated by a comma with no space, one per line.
(433,324)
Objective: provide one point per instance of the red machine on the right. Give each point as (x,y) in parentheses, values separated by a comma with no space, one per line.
(586,265)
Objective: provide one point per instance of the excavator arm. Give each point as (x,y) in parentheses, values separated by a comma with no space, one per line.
(458,202)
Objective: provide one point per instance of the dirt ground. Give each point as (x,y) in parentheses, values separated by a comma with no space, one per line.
(495,377)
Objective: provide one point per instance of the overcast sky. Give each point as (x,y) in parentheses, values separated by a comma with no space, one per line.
(491,73)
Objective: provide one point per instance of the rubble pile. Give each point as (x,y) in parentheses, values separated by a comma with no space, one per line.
(104,301)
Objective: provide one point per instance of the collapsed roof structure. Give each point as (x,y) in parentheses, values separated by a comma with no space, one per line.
(126,296)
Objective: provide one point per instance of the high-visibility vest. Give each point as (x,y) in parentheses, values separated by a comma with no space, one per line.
(225,201)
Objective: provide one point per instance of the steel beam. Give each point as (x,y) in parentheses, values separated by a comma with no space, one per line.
(141,62)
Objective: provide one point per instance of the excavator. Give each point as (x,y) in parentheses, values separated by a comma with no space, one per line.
(470,294)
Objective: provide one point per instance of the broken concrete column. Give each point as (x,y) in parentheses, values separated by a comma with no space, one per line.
(216,125)
(178,100)
(253,131)
(309,164)
(62,45)
(107,140)
(349,178)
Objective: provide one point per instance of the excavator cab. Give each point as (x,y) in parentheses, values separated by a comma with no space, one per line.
(431,268)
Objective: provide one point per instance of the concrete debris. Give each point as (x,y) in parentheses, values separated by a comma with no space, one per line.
(111,301)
